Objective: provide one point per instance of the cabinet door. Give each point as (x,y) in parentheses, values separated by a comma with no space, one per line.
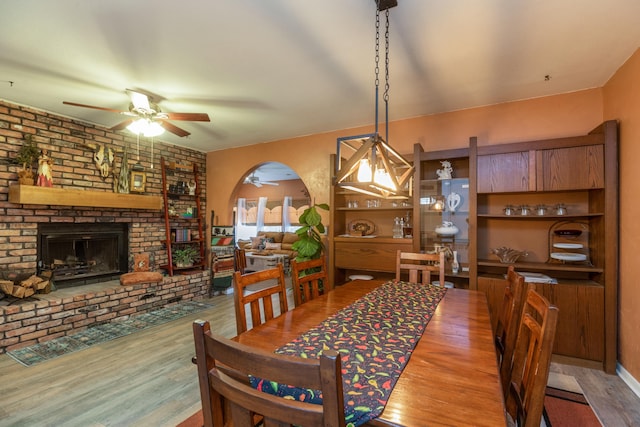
(573,168)
(505,172)
(580,330)
(369,256)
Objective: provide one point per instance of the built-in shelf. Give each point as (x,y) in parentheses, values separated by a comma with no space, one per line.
(35,195)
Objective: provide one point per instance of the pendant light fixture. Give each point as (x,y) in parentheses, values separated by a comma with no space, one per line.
(367,163)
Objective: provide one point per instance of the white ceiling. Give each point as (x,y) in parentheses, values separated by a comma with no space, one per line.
(270,69)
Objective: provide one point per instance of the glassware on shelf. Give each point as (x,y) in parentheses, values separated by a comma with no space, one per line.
(455,267)
(397,228)
(525,210)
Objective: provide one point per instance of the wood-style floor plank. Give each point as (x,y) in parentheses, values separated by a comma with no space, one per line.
(147,379)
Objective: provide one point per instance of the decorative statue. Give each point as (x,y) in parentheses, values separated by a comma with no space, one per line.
(103,158)
(192,188)
(44,178)
(446,172)
(123,180)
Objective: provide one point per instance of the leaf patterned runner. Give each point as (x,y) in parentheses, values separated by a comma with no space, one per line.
(375,337)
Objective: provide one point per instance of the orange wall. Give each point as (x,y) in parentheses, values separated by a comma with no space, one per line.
(554,116)
(549,117)
(622,102)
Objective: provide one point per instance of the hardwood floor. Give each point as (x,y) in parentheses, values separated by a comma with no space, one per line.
(147,379)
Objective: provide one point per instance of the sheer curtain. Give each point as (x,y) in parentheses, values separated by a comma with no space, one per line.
(286,220)
(262,204)
(242,231)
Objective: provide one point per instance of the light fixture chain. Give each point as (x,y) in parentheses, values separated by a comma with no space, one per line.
(386,59)
(377,60)
(386,78)
(377,66)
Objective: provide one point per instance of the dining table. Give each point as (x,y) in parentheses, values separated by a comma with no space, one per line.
(451,376)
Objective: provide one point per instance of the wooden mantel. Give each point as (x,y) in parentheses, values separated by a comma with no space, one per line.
(34,195)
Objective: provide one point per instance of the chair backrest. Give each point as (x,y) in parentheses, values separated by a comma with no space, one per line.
(420,265)
(531,360)
(506,332)
(308,279)
(256,289)
(224,367)
(240,259)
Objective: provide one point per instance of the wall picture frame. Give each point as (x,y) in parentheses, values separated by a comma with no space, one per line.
(138,182)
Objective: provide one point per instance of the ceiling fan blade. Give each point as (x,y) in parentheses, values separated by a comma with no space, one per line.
(173,128)
(192,117)
(122,125)
(269,183)
(257,184)
(94,107)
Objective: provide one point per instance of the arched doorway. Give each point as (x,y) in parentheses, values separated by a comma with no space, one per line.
(270,197)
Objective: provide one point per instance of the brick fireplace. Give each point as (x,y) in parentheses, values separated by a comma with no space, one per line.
(77,254)
(23,226)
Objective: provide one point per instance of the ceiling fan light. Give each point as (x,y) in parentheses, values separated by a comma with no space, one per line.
(153,129)
(146,127)
(137,126)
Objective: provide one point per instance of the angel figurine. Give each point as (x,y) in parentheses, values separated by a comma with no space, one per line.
(446,172)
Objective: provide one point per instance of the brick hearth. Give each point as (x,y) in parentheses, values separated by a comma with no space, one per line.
(71,310)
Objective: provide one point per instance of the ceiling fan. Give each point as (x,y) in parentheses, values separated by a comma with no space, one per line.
(142,107)
(253,179)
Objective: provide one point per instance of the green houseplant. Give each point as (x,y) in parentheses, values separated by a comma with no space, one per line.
(185,256)
(27,156)
(309,244)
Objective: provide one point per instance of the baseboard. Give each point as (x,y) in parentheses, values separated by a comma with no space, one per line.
(629,380)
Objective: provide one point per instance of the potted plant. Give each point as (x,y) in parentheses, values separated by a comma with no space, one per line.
(309,244)
(27,155)
(185,256)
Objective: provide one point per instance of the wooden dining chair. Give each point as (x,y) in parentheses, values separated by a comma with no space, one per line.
(224,367)
(257,289)
(308,279)
(240,259)
(506,331)
(531,360)
(418,264)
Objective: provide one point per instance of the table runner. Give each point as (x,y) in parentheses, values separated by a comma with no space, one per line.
(375,337)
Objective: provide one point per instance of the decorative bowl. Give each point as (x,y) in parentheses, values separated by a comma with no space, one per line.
(508,255)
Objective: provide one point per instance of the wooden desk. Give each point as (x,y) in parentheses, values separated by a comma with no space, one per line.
(452,377)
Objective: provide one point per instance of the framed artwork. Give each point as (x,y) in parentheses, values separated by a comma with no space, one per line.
(138,181)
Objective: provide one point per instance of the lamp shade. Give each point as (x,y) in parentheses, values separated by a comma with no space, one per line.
(146,127)
(358,156)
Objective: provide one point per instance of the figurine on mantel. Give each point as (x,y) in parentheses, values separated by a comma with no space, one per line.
(44,178)
(446,172)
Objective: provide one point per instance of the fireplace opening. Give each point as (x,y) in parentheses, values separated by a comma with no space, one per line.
(78,254)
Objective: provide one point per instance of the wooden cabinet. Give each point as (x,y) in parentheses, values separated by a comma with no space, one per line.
(578,248)
(580,332)
(182,214)
(441,203)
(502,172)
(375,252)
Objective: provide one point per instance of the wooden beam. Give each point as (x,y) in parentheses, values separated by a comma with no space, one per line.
(34,195)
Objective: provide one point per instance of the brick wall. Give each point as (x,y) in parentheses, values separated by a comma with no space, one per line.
(69,143)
